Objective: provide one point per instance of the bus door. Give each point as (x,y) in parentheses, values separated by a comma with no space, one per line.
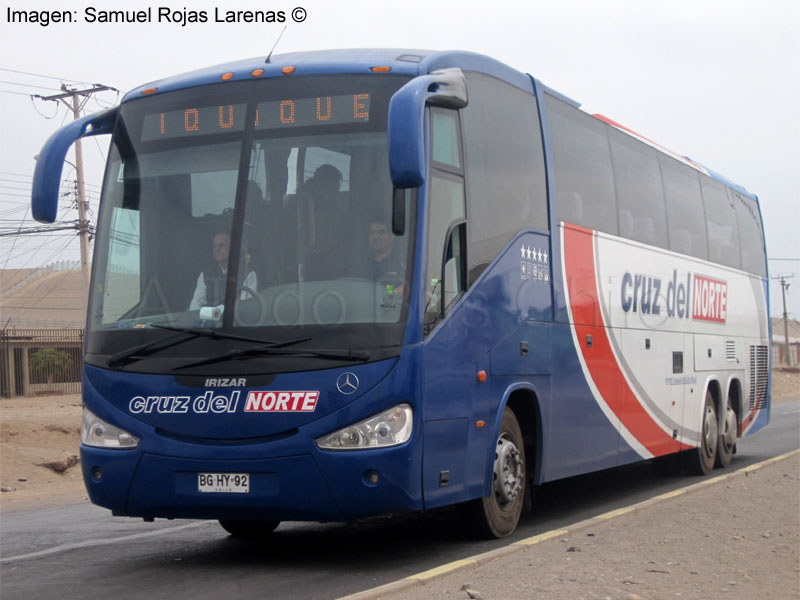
(449,364)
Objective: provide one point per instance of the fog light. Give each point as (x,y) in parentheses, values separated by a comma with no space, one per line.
(372,477)
(97,474)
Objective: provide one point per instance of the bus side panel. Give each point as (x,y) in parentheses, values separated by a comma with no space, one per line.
(454,399)
(647,323)
(580,438)
(510,304)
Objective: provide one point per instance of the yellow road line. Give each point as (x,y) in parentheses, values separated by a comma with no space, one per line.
(541,537)
(444,569)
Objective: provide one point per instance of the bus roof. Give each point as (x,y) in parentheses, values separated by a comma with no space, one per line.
(401,61)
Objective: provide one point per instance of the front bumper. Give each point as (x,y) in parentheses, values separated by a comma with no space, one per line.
(316,486)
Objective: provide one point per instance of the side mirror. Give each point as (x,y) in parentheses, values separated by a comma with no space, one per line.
(407,152)
(50,162)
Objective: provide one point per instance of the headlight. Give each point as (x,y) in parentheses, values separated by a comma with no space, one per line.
(389,428)
(96,432)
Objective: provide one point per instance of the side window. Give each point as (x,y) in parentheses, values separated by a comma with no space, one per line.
(582,159)
(751,233)
(124,244)
(723,234)
(455,260)
(685,214)
(504,167)
(445,138)
(445,266)
(640,194)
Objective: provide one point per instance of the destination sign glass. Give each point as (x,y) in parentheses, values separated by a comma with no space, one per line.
(274,114)
(194,121)
(322,110)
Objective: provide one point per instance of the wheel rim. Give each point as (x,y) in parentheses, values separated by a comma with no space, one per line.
(710,431)
(729,435)
(509,472)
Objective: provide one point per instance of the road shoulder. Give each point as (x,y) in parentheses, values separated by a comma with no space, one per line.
(733,535)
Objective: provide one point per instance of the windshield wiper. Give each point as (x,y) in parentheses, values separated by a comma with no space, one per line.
(149,348)
(281,350)
(186,333)
(219,335)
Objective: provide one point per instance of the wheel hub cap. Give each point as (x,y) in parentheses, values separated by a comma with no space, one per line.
(509,472)
(729,436)
(710,431)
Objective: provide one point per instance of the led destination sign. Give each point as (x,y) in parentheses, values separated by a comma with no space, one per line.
(274,114)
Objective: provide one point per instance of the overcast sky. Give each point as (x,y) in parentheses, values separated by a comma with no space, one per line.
(718,81)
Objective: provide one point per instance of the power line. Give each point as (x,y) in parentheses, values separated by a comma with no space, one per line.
(67,93)
(15,93)
(30,85)
(8,187)
(45,76)
(84,227)
(30,230)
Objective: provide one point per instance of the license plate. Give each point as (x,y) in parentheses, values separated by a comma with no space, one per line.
(225,483)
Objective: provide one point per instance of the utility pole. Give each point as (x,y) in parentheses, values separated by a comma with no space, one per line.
(83,205)
(786,347)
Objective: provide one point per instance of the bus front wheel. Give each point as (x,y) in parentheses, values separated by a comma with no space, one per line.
(497,515)
(248,529)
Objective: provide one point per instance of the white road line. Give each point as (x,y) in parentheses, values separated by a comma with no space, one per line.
(101,542)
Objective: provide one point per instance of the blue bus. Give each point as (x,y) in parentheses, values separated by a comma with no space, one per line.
(339,284)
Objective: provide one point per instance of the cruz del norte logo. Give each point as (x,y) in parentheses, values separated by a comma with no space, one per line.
(696,297)
(213,403)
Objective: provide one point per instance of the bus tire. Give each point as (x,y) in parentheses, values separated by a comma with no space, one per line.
(497,515)
(727,437)
(701,460)
(248,529)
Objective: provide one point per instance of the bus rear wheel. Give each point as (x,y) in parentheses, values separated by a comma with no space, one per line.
(701,459)
(248,529)
(497,515)
(727,438)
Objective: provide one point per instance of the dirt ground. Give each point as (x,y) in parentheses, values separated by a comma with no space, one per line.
(680,547)
(39,440)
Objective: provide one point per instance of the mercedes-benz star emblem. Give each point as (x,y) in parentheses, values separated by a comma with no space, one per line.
(347,383)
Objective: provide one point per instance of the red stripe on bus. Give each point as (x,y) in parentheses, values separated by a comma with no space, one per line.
(751,417)
(603,367)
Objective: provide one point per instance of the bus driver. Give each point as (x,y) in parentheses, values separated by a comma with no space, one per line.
(210,287)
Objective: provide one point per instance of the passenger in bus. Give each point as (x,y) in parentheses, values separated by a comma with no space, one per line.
(326,224)
(324,185)
(265,227)
(210,287)
(384,264)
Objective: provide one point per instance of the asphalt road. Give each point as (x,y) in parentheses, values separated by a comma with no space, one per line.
(80,551)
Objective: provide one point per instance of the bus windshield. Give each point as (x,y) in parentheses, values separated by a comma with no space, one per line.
(263,206)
